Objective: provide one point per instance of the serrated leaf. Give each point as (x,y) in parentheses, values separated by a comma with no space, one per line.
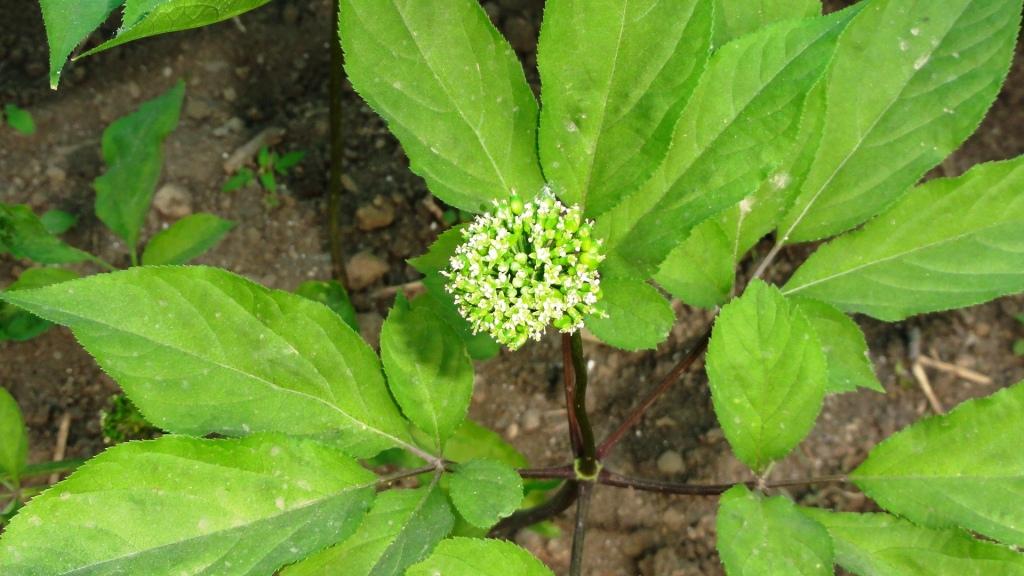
(768,536)
(485,491)
(200,350)
(19,325)
(20,119)
(177,505)
(451,90)
(152,17)
(332,294)
(13,438)
(476,557)
(724,147)
(961,469)
(702,269)
(737,18)
(615,77)
(846,350)
(767,373)
(133,152)
(186,239)
(473,441)
(401,529)
(24,236)
(936,67)
(631,315)
(57,222)
(883,545)
(429,371)
(947,244)
(68,23)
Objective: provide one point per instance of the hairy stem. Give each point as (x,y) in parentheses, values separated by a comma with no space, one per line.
(337,144)
(634,417)
(584,492)
(588,451)
(560,502)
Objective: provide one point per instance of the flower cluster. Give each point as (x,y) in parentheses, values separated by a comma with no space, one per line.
(524,266)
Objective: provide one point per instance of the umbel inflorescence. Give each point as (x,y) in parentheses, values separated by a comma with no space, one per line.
(526,265)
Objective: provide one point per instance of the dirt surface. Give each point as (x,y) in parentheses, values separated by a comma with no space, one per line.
(270,70)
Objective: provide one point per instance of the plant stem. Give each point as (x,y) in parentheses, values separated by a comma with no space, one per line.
(763,265)
(568,378)
(609,478)
(588,451)
(563,472)
(584,492)
(384,482)
(560,502)
(337,143)
(666,382)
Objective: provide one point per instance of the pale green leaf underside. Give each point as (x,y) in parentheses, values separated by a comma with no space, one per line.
(741,121)
(964,469)
(846,350)
(181,505)
(475,557)
(451,90)
(133,152)
(485,491)
(760,536)
(402,528)
(911,80)
(13,437)
(637,316)
(883,545)
(68,22)
(736,18)
(201,350)
(429,371)
(767,374)
(186,239)
(947,244)
(615,78)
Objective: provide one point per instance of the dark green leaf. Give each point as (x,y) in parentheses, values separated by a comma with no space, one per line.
(23,234)
(19,325)
(57,222)
(241,179)
(186,239)
(290,160)
(332,294)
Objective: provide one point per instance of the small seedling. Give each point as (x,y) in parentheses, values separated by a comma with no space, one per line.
(20,120)
(269,166)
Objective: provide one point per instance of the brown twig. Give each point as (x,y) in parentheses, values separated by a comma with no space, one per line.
(917,369)
(337,152)
(958,371)
(62,444)
(560,502)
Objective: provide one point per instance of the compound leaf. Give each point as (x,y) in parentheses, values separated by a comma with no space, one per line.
(476,557)
(68,23)
(133,152)
(631,315)
(200,350)
(846,350)
(485,491)
(176,505)
(883,545)
(935,68)
(186,239)
(429,371)
(947,244)
(767,373)
(615,77)
(402,528)
(13,438)
(768,536)
(961,469)
(451,90)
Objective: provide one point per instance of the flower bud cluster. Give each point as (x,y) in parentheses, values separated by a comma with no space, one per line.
(524,266)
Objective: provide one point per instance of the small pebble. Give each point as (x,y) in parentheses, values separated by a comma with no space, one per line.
(173,201)
(670,462)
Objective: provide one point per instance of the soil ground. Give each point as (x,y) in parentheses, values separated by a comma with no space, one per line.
(270,69)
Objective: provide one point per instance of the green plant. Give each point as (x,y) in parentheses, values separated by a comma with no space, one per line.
(19,119)
(681,133)
(133,151)
(269,165)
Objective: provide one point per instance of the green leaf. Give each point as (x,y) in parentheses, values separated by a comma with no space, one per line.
(846,350)
(702,269)
(615,77)
(68,23)
(176,505)
(451,90)
(268,181)
(475,557)
(723,148)
(768,536)
(631,315)
(401,529)
(961,469)
(19,325)
(13,437)
(485,491)
(133,152)
(429,371)
(290,160)
(154,17)
(767,373)
(241,179)
(57,222)
(935,68)
(947,244)
(20,119)
(332,294)
(736,18)
(186,239)
(200,350)
(23,234)
(883,545)
(472,441)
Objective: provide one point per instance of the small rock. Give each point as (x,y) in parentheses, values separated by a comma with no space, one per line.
(982,329)
(56,175)
(670,462)
(230,95)
(198,109)
(531,419)
(173,201)
(521,34)
(349,184)
(374,216)
(364,269)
